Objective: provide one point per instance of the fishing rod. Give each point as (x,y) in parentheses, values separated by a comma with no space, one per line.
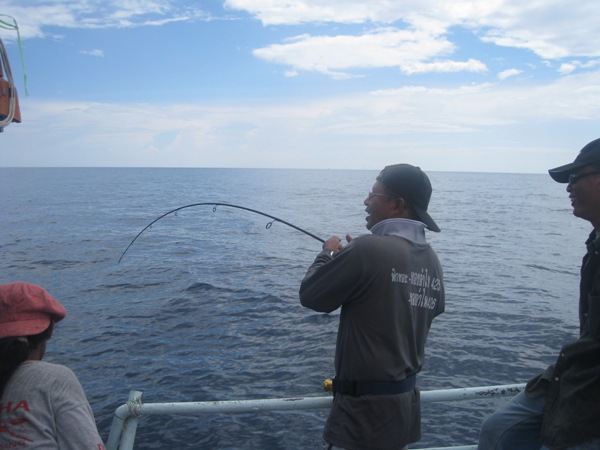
(229,205)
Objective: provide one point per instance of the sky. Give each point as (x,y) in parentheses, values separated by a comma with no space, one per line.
(461,85)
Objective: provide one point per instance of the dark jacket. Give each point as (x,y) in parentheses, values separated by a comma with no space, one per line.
(389,287)
(572,385)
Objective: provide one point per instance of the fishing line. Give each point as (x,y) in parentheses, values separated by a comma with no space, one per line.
(229,205)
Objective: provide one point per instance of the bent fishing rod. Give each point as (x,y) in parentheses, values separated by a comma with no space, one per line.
(229,205)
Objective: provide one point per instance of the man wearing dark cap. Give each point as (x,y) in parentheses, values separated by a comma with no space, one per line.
(560,408)
(389,285)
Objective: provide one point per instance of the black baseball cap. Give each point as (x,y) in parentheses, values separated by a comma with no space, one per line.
(590,154)
(411,183)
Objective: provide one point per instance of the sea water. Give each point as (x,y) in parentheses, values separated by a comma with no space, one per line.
(204,305)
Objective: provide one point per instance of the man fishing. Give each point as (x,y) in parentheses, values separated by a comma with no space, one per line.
(559,409)
(389,285)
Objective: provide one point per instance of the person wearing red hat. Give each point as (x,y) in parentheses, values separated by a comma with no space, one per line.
(42,405)
(389,286)
(560,408)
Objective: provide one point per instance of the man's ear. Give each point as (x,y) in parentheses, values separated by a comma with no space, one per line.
(401,206)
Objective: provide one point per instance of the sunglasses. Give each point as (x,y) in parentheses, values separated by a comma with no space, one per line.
(575,177)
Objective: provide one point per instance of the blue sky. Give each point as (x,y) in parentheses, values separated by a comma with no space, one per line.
(495,86)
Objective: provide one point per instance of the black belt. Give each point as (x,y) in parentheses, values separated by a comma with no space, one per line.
(357,388)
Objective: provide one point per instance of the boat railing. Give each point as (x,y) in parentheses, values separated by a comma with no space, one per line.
(126,418)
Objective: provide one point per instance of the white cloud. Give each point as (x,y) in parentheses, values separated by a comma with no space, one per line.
(421,41)
(293,12)
(566,68)
(472,65)
(482,117)
(275,12)
(471,120)
(96,52)
(33,18)
(509,73)
(412,51)
(550,29)
(569,67)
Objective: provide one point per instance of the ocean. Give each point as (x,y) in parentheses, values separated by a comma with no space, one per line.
(204,305)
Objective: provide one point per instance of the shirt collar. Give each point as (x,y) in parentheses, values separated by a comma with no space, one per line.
(412,230)
(593,242)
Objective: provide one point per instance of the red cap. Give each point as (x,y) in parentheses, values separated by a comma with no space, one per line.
(27,309)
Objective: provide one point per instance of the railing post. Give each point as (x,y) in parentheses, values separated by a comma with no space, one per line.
(125,422)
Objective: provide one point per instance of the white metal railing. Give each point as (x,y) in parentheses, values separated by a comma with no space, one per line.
(126,418)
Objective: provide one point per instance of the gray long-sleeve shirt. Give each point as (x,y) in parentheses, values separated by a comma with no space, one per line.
(44,407)
(389,286)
